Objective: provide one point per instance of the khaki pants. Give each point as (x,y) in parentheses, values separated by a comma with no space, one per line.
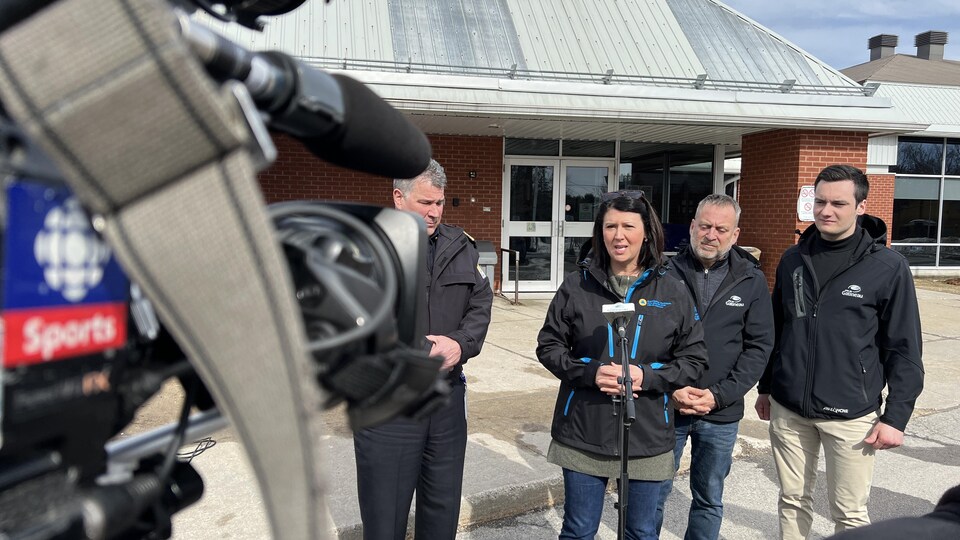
(796,443)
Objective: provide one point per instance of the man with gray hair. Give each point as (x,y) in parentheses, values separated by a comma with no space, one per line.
(404,455)
(733,300)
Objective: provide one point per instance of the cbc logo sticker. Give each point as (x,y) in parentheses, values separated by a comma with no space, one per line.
(70,253)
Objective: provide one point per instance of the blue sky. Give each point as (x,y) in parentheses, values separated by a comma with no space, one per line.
(836,31)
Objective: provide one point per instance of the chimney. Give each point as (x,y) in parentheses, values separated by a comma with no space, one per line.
(882,46)
(930,45)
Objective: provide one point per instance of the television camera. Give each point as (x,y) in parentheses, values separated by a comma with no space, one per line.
(137,249)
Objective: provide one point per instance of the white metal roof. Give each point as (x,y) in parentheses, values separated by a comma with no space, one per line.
(534,68)
(633,38)
(938,106)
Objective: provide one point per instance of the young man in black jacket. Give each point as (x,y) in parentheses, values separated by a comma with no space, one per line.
(404,455)
(848,324)
(733,300)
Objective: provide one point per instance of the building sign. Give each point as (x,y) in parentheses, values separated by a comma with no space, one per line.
(805,204)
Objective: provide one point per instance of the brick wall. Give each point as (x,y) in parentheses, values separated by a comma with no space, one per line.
(880,199)
(775,164)
(297,174)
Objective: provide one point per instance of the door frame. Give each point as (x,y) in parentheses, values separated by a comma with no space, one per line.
(555,229)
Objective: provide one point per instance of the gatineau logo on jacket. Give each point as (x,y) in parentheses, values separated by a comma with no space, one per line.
(852,290)
(734,301)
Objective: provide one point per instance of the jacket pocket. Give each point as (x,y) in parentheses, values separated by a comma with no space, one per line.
(456,278)
(798,303)
(863,380)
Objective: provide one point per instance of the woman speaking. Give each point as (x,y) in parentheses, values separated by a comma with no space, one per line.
(666,352)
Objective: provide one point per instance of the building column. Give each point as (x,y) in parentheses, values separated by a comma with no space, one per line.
(774,166)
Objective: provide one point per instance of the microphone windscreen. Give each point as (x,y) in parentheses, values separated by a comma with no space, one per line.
(374,137)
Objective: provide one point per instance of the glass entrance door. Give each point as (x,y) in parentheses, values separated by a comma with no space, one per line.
(550,205)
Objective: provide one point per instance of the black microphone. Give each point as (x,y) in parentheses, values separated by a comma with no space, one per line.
(617,315)
(336,118)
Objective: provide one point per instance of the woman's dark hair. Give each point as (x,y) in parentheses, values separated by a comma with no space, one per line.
(651,252)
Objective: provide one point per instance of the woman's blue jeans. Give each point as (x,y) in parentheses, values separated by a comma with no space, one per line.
(583,507)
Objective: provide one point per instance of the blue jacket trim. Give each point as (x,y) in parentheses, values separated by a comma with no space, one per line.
(636,337)
(567,406)
(610,338)
(586,360)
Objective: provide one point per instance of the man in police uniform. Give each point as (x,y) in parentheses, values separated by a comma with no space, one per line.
(402,456)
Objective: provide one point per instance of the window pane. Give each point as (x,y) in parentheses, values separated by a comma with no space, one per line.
(915,210)
(571,252)
(531,193)
(691,179)
(532,147)
(645,176)
(589,148)
(918,255)
(919,155)
(584,187)
(953,157)
(950,232)
(950,256)
(534,258)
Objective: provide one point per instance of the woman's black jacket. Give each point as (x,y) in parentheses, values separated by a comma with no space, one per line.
(664,337)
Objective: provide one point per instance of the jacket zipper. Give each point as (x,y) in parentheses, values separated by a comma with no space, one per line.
(812,336)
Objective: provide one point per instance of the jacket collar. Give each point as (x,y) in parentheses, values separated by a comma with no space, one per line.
(872,231)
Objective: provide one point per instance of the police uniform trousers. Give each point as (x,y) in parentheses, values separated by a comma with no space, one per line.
(402,456)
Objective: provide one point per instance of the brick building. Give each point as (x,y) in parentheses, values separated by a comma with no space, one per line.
(536,108)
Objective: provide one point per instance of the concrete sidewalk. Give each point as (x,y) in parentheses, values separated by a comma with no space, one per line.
(510,403)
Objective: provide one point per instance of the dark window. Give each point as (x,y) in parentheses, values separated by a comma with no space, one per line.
(691,179)
(532,147)
(919,156)
(950,231)
(589,148)
(915,210)
(918,255)
(531,193)
(950,256)
(953,157)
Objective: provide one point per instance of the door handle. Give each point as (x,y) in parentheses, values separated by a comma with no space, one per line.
(561,228)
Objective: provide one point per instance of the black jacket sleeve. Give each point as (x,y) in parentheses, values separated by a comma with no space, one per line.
(476,318)
(757,344)
(900,345)
(776,300)
(554,339)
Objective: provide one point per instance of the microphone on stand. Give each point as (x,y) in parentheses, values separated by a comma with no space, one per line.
(617,315)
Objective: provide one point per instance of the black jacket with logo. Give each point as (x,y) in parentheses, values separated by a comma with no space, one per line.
(664,338)
(459,298)
(737,327)
(836,350)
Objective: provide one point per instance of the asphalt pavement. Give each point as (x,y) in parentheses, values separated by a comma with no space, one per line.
(510,491)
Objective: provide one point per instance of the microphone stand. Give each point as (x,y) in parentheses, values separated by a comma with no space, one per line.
(628,413)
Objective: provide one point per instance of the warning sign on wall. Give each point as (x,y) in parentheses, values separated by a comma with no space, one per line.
(805,204)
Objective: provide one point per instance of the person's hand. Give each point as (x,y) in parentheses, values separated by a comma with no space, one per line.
(763,406)
(884,437)
(448,348)
(691,400)
(608,379)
